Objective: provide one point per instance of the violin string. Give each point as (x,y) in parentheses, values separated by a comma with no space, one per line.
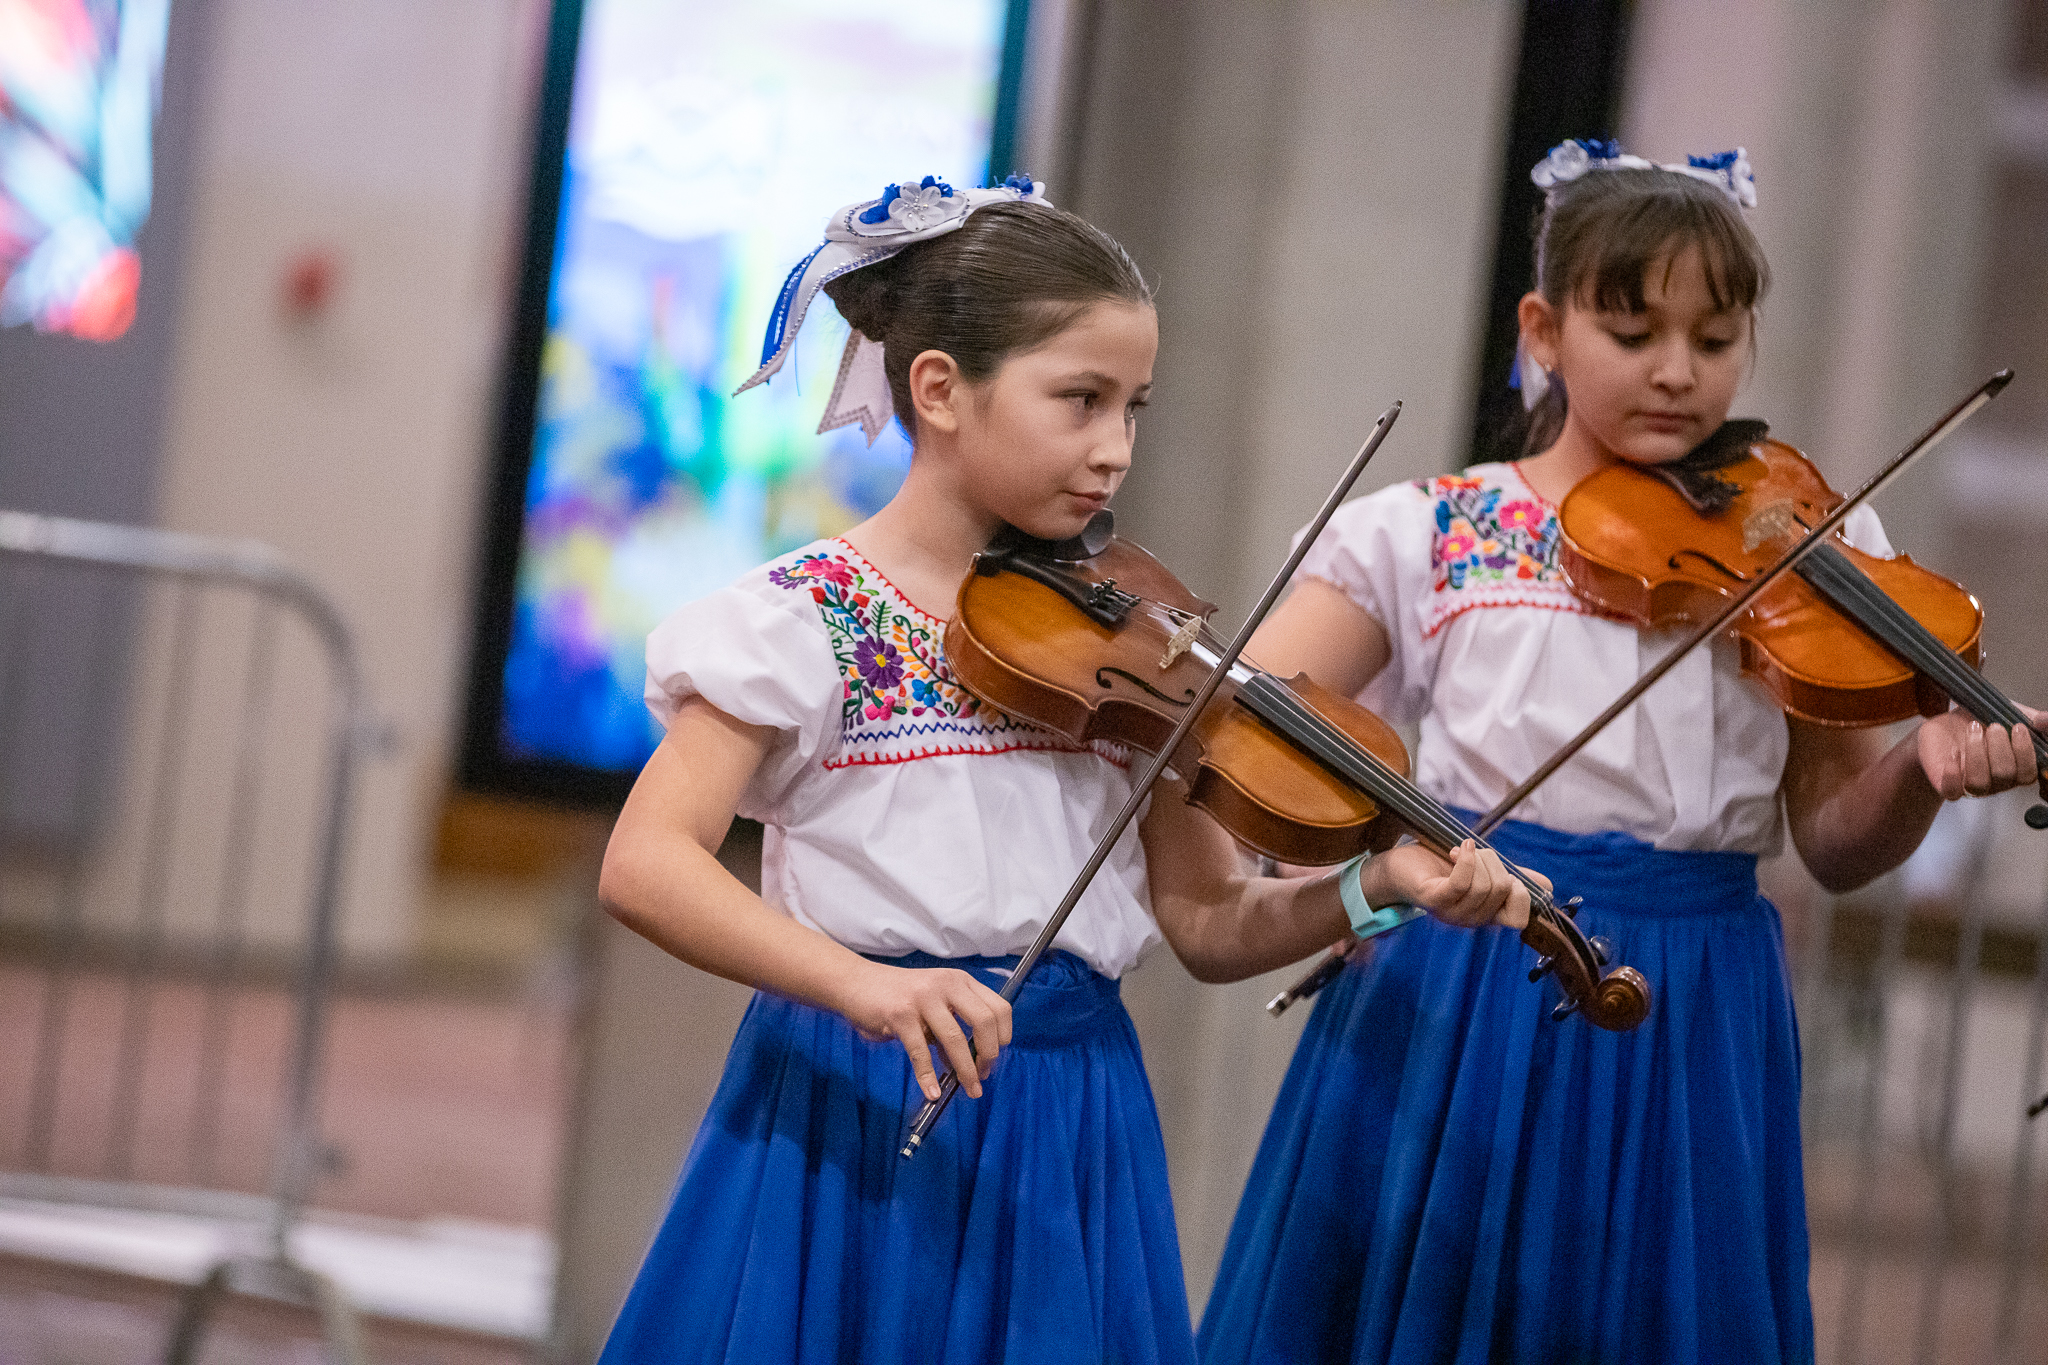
(1849,589)
(1870,606)
(1397,789)
(1377,777)
(1409,801)
(1919,647)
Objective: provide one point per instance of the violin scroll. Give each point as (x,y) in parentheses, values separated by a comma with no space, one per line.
(1617,1001)
(1621,1001)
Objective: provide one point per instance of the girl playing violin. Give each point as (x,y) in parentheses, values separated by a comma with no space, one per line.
(916,840)
(1448,1175)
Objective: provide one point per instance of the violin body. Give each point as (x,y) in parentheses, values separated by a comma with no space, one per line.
(1634,548)
(1024,648)
(1102,643)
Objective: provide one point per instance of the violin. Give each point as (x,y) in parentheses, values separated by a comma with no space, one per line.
(1096,640)
(1844,639)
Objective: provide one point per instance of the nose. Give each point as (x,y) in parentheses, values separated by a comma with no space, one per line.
(1111,451)
(1672,366)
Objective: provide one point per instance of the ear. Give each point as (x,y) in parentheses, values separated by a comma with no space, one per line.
(937,390)
(1539,323)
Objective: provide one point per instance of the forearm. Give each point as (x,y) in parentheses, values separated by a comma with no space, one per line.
(1869,822)
(675,893)
(1250,925)
(1222,923)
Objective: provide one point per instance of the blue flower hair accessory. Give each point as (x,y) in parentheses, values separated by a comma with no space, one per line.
(1728,171)
(906,213)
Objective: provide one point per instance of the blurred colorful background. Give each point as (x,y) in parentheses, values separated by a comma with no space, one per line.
(78,91)
(707,144)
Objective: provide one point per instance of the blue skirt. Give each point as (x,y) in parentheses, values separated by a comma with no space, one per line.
(1034,1224)
(1448,1175)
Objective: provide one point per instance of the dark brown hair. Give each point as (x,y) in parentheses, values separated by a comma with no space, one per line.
(1598,238)
(1010,278)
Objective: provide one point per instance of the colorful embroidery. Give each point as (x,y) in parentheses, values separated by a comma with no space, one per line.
(1495,546)
(901,701)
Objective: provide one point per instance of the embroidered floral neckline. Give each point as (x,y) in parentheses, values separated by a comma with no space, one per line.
(902,598)
(899,698)
(1491,550)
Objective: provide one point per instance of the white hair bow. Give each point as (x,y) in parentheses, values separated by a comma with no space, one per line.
(908,212)
(1727,171)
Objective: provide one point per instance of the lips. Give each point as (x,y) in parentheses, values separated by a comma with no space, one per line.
(1097,500)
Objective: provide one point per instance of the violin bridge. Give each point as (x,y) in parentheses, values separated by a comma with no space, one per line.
(1178,645)
(1771,522)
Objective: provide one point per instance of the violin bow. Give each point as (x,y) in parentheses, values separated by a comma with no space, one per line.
(1326,971)
(1929,439)
(949,1084)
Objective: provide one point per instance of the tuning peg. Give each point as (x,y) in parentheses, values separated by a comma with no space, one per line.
(2037,817)
(1563,1008)
(1603,949)
(1542,968)
(1571,907)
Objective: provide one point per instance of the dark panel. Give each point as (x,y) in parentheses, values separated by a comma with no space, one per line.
(484,766)
(1567,84)
(81,434)
(2029,60)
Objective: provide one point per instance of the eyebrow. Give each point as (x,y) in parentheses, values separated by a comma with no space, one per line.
(1098,377)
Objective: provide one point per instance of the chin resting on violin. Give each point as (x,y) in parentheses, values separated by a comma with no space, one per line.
(1647,388)
(1517,1193)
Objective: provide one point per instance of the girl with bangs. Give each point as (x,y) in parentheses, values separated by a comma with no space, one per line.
(1448,1175)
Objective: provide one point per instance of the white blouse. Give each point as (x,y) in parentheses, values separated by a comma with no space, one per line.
(1500,664)
(901,814)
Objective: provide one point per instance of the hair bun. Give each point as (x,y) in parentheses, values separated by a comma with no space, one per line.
(866,299)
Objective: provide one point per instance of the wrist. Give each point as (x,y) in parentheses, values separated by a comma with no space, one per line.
(844,987)
(1377,880)
(1369,903)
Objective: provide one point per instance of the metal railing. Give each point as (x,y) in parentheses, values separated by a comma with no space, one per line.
(210,872)
(1922,1022)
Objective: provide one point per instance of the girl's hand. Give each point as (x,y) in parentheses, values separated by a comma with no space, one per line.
(922,1006)
(1964,757)
(1472,889)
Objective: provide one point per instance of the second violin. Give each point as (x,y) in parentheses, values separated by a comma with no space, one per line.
(1846,639)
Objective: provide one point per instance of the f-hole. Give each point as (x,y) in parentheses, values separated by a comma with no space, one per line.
(1710,561)
(1101,681)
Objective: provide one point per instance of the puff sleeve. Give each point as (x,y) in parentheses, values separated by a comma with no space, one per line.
(764,661)
(1376,551)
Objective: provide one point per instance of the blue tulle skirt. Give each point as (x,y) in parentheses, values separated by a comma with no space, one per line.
(1034,1224)
(1448,1175)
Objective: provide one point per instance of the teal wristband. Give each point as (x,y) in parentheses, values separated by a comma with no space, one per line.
(1367,922)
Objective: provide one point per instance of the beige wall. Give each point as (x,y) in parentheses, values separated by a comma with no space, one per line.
(1312,187)
(391,134)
